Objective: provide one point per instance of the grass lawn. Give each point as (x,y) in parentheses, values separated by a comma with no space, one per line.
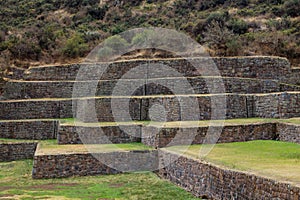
(48,148)
(292,121)
(16,183)
(274,159)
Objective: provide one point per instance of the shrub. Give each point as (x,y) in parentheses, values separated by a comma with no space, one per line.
(207,4)
(292,7)
(220,17)
(105,53)
(97,12)
(25,49)
(241,3)
(233,47)
(75,46)
(282,24)
(217,36)
(238,26)
(117,43)
(199,28)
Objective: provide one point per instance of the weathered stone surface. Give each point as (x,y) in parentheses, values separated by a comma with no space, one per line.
(83,164)
(162,137)
(277,105)
(249,67)
(288,132)
(31,130)
(36,109)
(15,89)
(210,181)
(274,105)
(17,151)
(70,134)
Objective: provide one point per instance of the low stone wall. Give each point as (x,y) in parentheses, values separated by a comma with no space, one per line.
(210,181)
(17,151)
(248,67)
(277,105)
(71,134)
(139,107)
(288,132)
(198,85)
(15,72)
(31,130)
(274,105)
(162,137)
(83,164)
(293,77)
(36,109)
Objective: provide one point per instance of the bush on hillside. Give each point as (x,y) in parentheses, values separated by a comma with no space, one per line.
(75,47)
(292,8)
(238,26)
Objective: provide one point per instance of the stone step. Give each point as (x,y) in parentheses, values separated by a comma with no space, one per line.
(16,89)
(11,150)
(99,134)
(159,134)
(55,161)
(159,137)
(156,108)
(29,129)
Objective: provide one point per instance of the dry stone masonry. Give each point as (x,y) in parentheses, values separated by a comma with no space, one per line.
(15,89)
(273,105)
(36,99)
(210,181)
(30,130)
(162,137)
(72,134)
(275,68)
(288,132)
(10,151)
(83,164)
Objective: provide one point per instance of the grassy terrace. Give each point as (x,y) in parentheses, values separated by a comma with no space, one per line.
(52,148)
(72,121)
(44,142)
(273,159)
(16,183)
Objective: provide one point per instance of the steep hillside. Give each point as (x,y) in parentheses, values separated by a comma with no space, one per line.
(49,31)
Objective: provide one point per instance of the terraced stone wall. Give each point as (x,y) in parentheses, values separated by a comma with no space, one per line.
(275,105)
(70,134)
(83,164)
(293,77)
(248,67)
(175,110)
(288,132)
(209,181)
(64,89)
(161,137)
(17,151)
(31,130)
(36,109)
(278,105)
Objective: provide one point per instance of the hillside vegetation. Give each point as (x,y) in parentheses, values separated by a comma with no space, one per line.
(50,31)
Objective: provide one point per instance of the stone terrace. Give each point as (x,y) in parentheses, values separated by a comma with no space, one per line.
(35,108)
